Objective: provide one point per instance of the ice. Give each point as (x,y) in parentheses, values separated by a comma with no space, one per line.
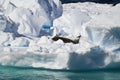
(20,42)
(105,32)
(3,20)
(91,60)
(71,23)
(29,25)
(6,38)
(44,40)
(33,15)
(27,37)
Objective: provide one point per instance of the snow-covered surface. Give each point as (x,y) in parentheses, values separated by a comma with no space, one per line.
(24,41)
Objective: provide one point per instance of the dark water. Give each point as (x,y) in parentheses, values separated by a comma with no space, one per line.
(14,73)
(114,2)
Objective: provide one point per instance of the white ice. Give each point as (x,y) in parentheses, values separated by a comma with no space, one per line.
(98,24)
(31,16)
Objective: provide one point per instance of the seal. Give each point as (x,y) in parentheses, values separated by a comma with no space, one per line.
(67,40)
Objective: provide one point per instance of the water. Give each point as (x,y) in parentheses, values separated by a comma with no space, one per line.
(17,73)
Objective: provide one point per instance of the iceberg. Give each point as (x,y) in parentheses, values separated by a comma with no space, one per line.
(26,40)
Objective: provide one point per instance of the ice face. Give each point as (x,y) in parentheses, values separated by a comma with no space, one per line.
(71,22)
(105,32)
(3,20)
(31,17)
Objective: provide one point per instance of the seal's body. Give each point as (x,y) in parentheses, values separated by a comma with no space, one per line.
(67,40)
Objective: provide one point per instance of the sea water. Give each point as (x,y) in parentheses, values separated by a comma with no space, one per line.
(24,73)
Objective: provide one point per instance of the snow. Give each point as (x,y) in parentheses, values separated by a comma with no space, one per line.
(26,37)
(20,42)
(6,38)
